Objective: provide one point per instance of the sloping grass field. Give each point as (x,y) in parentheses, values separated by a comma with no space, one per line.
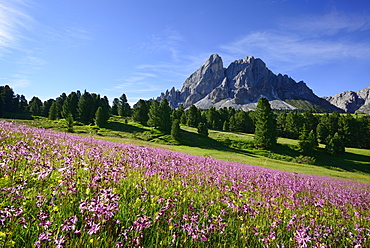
(63,190)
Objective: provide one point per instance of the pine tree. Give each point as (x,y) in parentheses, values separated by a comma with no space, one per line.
(192,116)
(35,106)
(323,129)
(60,101)
(115,106)
(85,106)
(47,106)
(307,141)
(124,108)
(53,114)
(202,129)
(175,130)
(100,119)
(225,126)
(265,135)
(154,114)
(165,116)
(70,122)
(335,144)
(70,105)
(140,112)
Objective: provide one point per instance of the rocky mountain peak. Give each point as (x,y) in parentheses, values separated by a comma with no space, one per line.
(352,102)
(239,86)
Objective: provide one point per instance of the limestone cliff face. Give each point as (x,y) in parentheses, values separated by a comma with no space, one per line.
(352,102)
(239,86)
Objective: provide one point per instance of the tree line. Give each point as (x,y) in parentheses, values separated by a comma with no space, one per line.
(86,107)
(334,130)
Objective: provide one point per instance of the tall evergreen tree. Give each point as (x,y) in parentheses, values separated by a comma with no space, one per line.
(265,135)
(347,128)
(70,105)
(35,106)
(154,114)
(85,108)
(104,104)
(124,108)
(140,111)
(100,119)
(192,116)
(323,128)
(53,111)
(335,144)
(281,124)
(47,106)
(175,130)
(165,116)
(115,106)
(293,125)
(307,141)
(202,129)
(60,101)
(23,104)
(70,121)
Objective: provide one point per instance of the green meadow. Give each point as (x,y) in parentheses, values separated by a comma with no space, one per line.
(230,146)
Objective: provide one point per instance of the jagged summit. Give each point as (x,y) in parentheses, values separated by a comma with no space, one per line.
(239,86)
(352,102)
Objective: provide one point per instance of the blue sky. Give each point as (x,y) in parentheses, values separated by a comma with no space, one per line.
(141,48)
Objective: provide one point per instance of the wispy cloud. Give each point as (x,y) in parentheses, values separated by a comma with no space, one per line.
(306,41)
(330,23)
(19,81)
(71,36)
(168,40)
(13,20)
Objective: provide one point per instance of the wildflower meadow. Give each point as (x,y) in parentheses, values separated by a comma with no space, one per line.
(63,190)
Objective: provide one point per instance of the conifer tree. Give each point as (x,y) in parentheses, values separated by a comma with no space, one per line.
(35,106)
(100,119)
(202,129)
(265,135)
(85,108)
(124,108)
(192,116)
(335,144)
(140,112)
(60,101)
(175,130)
(307,141)
(53,114)
(154,114)
(47,106)
(225,126)
(70,121)
(115,106)
(165,116)
(70,105)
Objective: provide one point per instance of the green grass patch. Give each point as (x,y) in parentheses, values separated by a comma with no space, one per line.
(230,146)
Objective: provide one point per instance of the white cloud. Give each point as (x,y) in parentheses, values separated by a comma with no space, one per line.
(307,41)
(168,40)
(13,19)
(19,81)
(330,23)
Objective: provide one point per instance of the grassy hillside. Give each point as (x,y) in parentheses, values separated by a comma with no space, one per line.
(229,146)
(63,190)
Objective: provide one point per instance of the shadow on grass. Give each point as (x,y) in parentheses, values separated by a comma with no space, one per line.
(195,140)
(121,127)
(348,162)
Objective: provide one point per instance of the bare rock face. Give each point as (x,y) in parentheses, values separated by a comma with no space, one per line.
(239,86)
(352,102)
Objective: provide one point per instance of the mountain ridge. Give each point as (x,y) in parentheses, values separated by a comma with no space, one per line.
(239,86)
